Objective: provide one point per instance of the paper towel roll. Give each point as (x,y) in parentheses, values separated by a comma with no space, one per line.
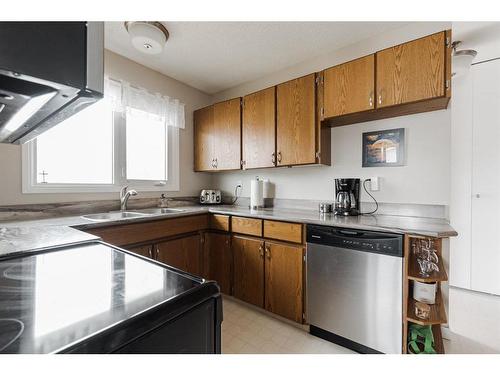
(256,193)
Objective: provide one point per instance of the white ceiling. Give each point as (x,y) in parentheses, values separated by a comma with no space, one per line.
(215,56)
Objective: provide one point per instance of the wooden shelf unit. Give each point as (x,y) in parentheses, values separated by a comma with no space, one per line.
(437,314)
(410,274)
(414,272)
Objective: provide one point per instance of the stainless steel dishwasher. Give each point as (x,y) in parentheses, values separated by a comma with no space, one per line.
(355,288)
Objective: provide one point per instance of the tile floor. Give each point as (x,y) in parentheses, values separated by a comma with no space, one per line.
(247,330)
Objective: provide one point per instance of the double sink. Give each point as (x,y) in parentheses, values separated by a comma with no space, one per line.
(117,215)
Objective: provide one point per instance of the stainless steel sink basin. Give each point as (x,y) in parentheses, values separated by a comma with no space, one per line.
(108,216)
(159,211)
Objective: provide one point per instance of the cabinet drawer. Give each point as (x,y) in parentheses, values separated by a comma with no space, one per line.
(279,230)
(246,225)
(219,222)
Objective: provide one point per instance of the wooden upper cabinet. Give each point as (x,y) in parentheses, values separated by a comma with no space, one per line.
(296,121)
(349,87)
(227,130)
(204,139)
(411,71)
(248,256)
(259,129)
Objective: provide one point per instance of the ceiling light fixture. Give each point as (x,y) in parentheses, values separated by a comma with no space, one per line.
(462,59)
(149,37)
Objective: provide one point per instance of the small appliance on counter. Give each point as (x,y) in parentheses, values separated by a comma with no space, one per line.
(210,196)
(325,207)
(347,192)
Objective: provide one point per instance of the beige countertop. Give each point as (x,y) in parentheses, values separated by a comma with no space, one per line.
(35,234)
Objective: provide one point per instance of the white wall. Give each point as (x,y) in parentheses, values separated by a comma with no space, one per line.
(117,66)
(425,177)
(473,315)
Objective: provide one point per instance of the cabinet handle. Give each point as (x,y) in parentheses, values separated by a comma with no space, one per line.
(273,158)
(370,100)
(380,99)
(213,165)
(268,252)
(279,157)
(261,251)
(150,252)
(216,163)
(157,251)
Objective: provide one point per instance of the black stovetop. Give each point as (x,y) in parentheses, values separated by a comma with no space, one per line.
(51,300)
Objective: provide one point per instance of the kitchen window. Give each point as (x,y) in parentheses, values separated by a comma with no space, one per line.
(131,137)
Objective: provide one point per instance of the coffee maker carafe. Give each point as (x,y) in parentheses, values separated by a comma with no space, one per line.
(347,196)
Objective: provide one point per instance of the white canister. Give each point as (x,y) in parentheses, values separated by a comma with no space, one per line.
(424,292)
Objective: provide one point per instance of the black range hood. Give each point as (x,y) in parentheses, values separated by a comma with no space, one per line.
(48,72)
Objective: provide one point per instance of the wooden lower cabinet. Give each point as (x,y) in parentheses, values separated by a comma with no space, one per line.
(248,281)
(183,253)
(145,251)
(219,259)
(284,280)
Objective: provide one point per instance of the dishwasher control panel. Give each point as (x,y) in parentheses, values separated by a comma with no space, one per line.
(362,240)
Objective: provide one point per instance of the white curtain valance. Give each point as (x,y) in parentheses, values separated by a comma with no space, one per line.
(126,98)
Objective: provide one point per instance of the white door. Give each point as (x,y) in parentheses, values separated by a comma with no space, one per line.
(485,260)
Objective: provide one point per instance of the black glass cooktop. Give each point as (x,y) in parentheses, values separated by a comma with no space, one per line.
(51,300)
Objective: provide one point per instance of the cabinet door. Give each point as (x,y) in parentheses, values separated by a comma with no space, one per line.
(485,254)
(248,256)
(227,124)
(296,126)
(220,260)
(259,129)
(182,253)
(411,71)
(283,282)
(145,251)
(349,87)
(204,139)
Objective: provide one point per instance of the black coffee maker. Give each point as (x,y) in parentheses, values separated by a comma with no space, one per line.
(347,196)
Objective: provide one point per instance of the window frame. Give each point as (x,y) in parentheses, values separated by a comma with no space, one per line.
(29,170)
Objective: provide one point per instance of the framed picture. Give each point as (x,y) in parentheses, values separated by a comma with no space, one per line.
(384,148)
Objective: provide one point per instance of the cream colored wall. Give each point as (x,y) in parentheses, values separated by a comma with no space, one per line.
(423,180)
(117,66)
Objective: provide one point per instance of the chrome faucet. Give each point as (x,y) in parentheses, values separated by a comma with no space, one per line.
(124,196)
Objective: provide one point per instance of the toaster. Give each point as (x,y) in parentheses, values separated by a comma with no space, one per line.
(210,197)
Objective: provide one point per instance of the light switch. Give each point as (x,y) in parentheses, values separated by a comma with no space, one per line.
(374,184)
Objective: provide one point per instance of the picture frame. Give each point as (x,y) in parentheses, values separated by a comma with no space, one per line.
(384,148)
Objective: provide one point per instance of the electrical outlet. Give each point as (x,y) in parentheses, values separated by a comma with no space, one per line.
(374,184)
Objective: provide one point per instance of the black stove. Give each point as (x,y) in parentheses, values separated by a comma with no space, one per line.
(94,298)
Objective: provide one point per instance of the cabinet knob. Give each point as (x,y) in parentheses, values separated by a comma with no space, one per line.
(380,99)
(477,195)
